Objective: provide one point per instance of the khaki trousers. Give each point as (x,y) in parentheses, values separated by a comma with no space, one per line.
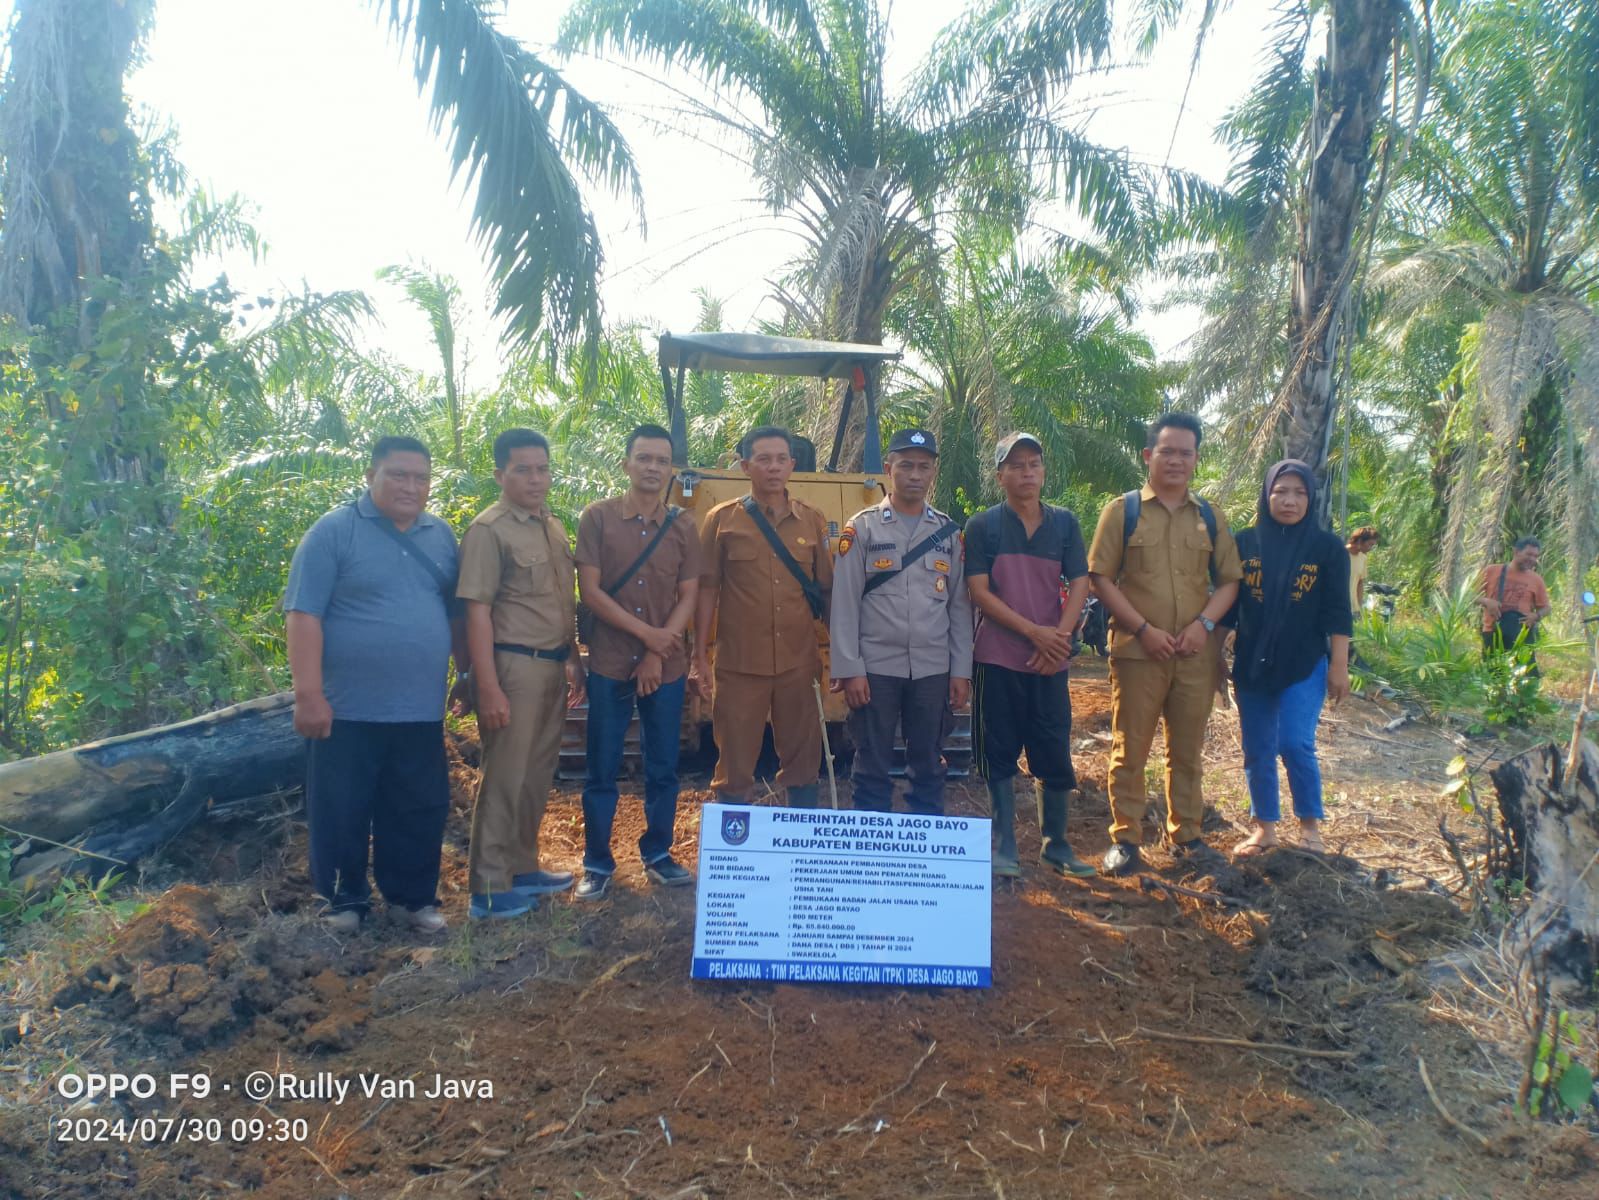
(739,712)
(1143,692)
(518,767)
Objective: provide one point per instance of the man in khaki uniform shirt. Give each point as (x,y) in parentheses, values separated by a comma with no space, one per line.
(517,581)
(1157,586)
(767,654)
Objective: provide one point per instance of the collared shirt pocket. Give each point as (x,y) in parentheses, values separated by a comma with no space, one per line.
(1139,555)
(536,570)
(1197,546)
(938,568)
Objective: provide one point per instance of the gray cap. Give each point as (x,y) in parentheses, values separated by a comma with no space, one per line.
(1010,442)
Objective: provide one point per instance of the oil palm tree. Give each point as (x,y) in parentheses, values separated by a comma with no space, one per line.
(875,178)
(1498,218)
(1012,343)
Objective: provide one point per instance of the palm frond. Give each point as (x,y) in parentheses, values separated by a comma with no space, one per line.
(517,128)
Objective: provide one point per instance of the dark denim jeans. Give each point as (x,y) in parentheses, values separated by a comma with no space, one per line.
(1283,724)
(611,704)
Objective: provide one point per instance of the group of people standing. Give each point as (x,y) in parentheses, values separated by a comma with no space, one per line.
(920,616)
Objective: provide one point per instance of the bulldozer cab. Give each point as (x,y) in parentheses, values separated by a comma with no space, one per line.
(839,495)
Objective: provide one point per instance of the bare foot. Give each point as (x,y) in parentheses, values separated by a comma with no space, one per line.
(1310,838)
(1264,838)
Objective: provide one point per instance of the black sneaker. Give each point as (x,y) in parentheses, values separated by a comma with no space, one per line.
(592,886)
(1121,859)
(667,873)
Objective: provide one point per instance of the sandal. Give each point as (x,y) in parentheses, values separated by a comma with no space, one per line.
(1252,847)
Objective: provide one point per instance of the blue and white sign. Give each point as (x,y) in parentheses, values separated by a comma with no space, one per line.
(805,895)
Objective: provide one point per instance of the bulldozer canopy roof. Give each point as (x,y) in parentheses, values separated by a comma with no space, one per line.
(759,354)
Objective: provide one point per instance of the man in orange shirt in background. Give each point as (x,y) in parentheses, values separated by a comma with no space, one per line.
(1513,598)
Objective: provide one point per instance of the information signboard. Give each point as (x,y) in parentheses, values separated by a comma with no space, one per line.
(804,895)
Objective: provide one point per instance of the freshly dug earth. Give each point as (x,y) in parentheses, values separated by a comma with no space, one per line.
(1110,1058)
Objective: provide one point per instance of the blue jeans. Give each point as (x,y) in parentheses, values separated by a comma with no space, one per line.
(1283,724)
(611,704)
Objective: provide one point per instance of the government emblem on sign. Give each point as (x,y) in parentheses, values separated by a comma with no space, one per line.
(735,827)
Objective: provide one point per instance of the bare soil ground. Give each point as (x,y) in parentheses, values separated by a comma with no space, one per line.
(1261,1041)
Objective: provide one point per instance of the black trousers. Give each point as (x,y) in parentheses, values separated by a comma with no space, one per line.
(921,707)
(383,784)
(1014,711)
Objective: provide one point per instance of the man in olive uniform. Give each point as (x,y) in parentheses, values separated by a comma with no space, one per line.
(767,570)
(521,629)
(901,630)
(1166,570)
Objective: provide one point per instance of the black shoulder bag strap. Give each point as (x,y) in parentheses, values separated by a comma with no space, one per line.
(911,555)
(637,564)
(1503,572)
(813,593)
(415,554)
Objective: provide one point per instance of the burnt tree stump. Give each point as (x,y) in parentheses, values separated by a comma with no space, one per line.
(1555,830)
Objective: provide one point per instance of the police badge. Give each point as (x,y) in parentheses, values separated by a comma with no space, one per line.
(736,827)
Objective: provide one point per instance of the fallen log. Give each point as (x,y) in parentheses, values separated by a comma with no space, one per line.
(123,797)
(1552,815)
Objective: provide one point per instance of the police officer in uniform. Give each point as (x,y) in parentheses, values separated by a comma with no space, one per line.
(901,630)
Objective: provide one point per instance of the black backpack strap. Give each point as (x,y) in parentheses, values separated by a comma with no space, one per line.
(637,564)
(1503,572)
(445,585)
(911,555)
(813,593)
(1132,506)
(1209,514)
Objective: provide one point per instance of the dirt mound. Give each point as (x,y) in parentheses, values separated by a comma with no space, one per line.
(186,969)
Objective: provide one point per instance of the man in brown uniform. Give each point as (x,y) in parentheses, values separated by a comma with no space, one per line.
(767,654)
(1166,568)
(521,630)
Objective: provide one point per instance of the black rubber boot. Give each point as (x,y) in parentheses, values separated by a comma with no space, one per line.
(1053,805)
(803,797)
(1002,801)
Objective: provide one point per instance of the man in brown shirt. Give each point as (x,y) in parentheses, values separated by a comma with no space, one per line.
(768,658)
(1165,584)
(516,579)
(638,568)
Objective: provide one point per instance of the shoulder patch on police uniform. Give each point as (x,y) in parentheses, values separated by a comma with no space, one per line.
(846,539)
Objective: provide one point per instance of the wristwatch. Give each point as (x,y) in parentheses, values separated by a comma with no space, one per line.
(1210,626)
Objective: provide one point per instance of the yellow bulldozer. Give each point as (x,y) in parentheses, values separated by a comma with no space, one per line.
(838,494)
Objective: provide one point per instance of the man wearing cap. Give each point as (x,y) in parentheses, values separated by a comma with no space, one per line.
(1166,568)
(766,568)
(1018,554)
(901,630)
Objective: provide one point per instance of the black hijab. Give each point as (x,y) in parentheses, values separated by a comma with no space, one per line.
(1282,550)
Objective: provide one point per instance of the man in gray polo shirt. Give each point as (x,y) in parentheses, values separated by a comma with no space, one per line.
(371,625)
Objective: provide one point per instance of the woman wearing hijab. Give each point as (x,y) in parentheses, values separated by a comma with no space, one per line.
(1291,653)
